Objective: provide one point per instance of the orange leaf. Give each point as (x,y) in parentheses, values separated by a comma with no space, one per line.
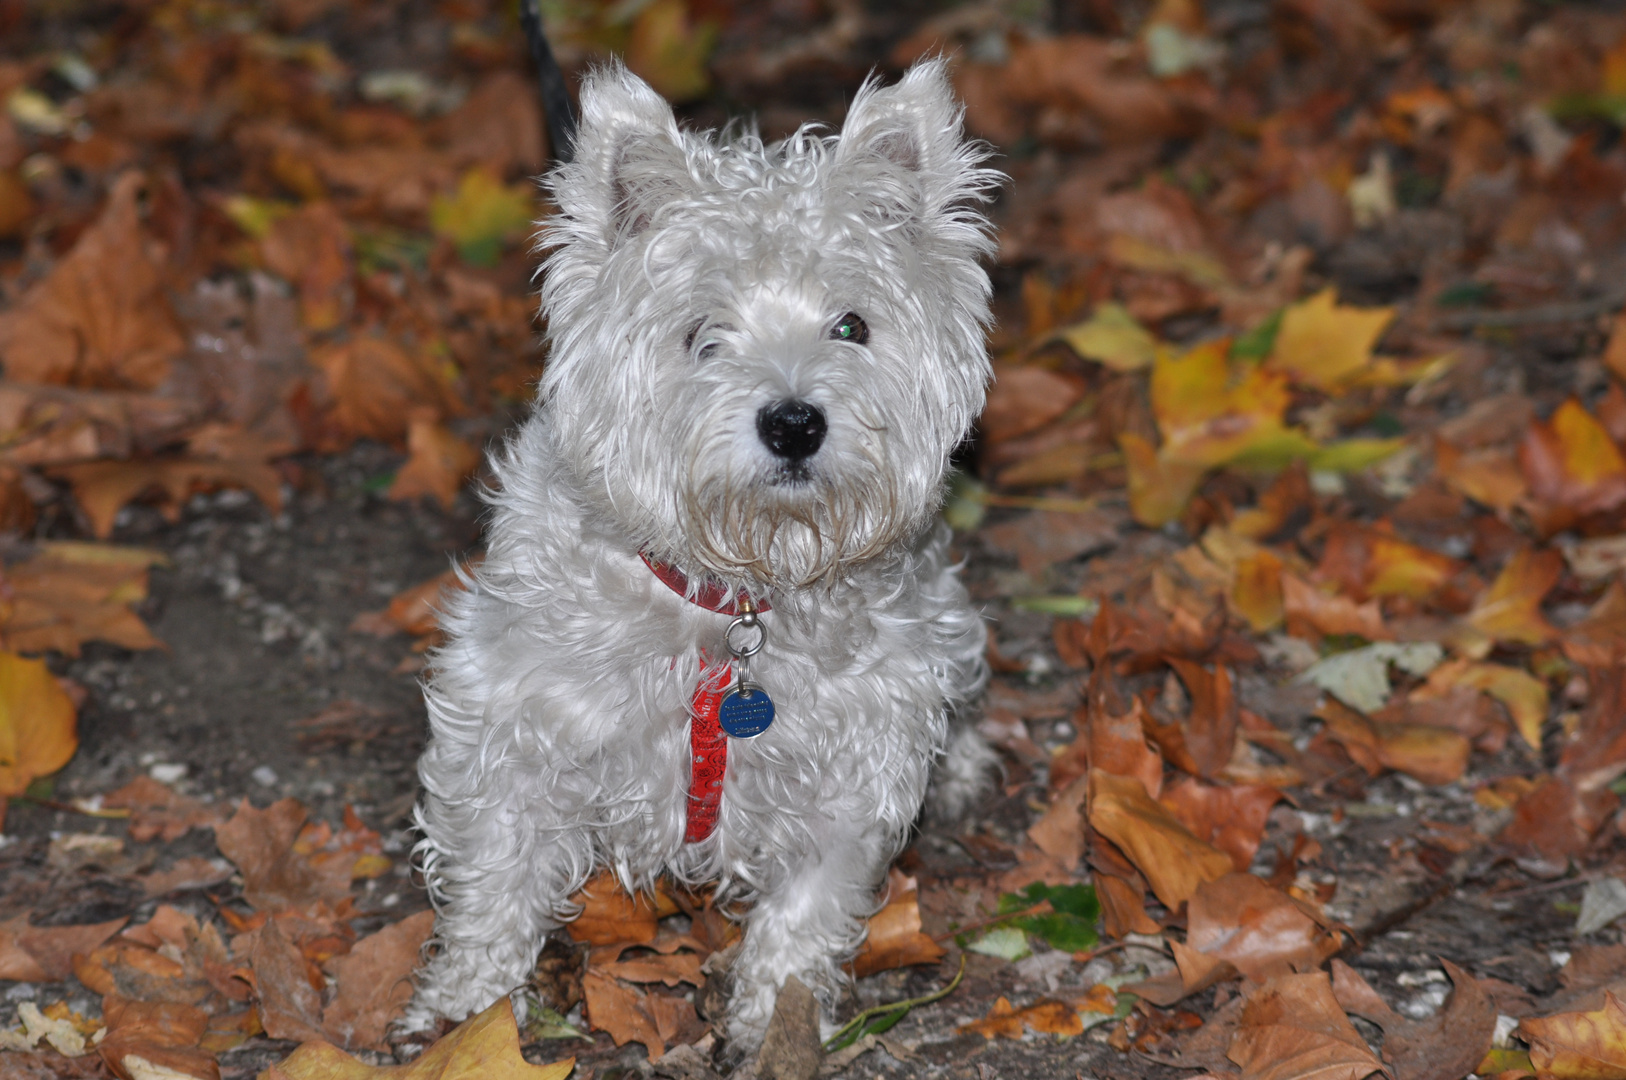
(1490,477)
(100,317)
(311,249)
(378,387)
(1024,398)
(1045,1016)
(103,487)
(1571,464)
(1240,919)
(1173,861)
(38,725)
(611,917)
(1231,818)
(1159,489)
(1579,1045)
(158,812)
(1510,610)
(1312,613)
(895,939)
(156,1038)
(71,593)
(413,610)
(1321,343)
(1369,562)
(1522,694)
(1256,594)
(1293,1028)
(438,464)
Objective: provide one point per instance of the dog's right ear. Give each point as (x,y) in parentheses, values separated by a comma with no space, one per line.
(629,159)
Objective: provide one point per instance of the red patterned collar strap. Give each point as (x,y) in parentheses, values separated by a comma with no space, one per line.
(708,752)
(711,595)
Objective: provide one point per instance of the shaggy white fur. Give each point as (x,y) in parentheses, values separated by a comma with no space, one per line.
(696,281)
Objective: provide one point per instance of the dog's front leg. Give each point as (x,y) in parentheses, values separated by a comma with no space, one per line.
(500,868)
(806,924)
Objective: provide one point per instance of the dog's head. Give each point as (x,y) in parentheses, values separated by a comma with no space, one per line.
(763,355)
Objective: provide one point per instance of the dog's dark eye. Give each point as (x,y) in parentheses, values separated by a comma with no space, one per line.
(707,348)
(850,328)
(688,338)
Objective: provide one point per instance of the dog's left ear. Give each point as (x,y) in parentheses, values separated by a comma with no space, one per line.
(915,127)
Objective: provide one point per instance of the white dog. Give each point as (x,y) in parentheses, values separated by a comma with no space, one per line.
(761,359)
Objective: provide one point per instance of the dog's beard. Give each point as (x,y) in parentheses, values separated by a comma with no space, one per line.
(796,528)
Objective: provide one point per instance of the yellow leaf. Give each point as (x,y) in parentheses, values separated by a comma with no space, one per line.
(38,725)
(670,52)
(1158,488)
(1256,594)
(1579,1046)
(1510,610)
(1113,337)
(483,215)
(1521,693)
(485,1047)
(1195,266)
(1322,343)
(1210,411)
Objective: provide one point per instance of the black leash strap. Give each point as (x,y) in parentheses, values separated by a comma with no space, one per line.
(555,98)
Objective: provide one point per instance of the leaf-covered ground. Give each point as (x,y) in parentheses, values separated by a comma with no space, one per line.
(1298,512)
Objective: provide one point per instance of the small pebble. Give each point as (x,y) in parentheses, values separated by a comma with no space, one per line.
(167,772)
(265,776)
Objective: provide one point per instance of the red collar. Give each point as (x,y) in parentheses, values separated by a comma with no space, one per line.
(710,594)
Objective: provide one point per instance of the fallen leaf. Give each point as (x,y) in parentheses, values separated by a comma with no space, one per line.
(261,844)
(1370,562)
(1043,538)
(1443,1046)
(38,725)
(1210,728)
(1211,411)
(1060,831)
(1312,613)
(1491,477)
(1521,693)
(483,215)
(1024,398)
(311,248)
(1292,1027)
(1510,609)
(610,916)
(1599,639)
(71,593)
(1113,337)
(1263,933)
(413,610)
(1572,464)
(895,939)
(156,1039)
(194,967)
(1256,593)
(485,1046)
(1159,488)
(1579,1045)
(670,50)
(1322,343)
(621,1010)
(373,982)
(1360,677)
(158,812)
(378,387)
(99,318)
(438,464)
(1232,818)
(1045,1016)
(31,953)
(102,488)
(1173,861)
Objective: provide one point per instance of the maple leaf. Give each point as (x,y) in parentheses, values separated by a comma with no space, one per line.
(1579,1045)
(99,318)
(31,953)
(73,592)
(311,248)
(1211,411)
(1292,1027)
(1173,861)
(158,812)
(1572,465)
(1510,609)
(1449,1043)
(1322,343)
(1113,337)
(1046,1016)
(275,875)
(38,725)
(486,1046)
(609,915)
(378,387)
(483,215)
(438,464)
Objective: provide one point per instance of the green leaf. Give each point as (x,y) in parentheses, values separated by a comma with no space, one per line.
(1005,942)
(1257,343)
(1069,933)
(1071,924)
(1353,455)
(482,216)
(1072,607)
(965,508)
(542,1022)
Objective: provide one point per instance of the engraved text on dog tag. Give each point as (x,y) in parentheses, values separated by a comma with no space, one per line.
(746,711)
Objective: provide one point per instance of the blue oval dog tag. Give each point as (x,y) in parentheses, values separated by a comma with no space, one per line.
(746,711)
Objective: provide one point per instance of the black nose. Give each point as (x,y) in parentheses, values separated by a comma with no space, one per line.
(793,430)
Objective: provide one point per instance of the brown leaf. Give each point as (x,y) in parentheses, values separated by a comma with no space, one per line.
(102,488)
(1211,726)
(1060,832)
(310,248)
(261,844)
(1510,609)
(378,388)
(71,593)
(156,1038)
(414,610)
(438,465)
(99,319)
(373,982)
(1445,1046)
(1044,538)
(193,969)
(1240,919)
(1230,818)
(1174,861)
(192,872)
(45,953)
(1024,398)
(1312,613)
(895,939)
(290,1007)
(158,812)
(1292,1028)
(622,1011)
(610,916)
